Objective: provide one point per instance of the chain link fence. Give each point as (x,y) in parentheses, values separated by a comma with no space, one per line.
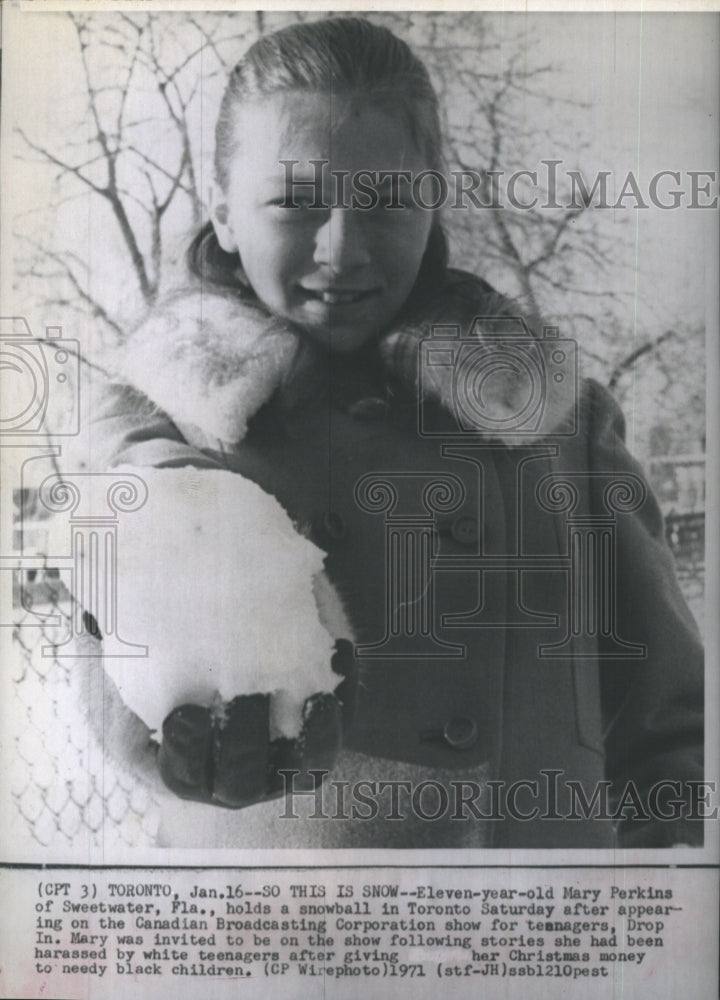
(65,790)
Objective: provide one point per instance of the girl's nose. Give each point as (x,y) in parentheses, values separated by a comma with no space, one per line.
(340,243)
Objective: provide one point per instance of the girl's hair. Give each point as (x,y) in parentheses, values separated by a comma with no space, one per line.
(347,56)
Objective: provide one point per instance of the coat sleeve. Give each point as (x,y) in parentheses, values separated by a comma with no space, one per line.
(127,429)
(652,706)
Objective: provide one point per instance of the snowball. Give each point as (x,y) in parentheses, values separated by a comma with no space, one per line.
(216,581)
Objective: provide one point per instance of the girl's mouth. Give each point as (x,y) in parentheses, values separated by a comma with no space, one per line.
(339,296)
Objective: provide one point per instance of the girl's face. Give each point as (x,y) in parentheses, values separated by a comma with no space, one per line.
(341,273)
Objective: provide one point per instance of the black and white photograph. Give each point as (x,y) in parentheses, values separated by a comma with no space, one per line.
(359,426)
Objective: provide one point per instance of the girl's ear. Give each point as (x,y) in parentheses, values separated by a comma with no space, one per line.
(220,218)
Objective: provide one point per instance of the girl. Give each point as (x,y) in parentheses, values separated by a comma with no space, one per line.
(448,464)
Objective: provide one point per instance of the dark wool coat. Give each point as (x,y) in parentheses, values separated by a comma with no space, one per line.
(516,665)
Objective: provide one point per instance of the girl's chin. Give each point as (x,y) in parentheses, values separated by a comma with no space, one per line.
(339,340)
(339,337)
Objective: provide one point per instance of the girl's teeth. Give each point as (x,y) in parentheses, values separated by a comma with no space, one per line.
(340,298)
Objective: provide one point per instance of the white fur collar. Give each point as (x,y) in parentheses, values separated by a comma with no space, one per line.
(210,360)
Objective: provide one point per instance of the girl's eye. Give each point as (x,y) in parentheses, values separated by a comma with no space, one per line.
(295,202)
(297,209)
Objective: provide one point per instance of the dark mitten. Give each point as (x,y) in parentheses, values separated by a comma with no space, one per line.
(226,757)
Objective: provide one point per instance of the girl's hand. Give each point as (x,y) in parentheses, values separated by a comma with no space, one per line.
(225,756)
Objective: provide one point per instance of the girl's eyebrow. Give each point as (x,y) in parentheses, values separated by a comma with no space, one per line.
(302,177)
(275,182)
(302,172)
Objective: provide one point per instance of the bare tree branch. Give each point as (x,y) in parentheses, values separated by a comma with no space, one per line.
(62,260)
(627,363)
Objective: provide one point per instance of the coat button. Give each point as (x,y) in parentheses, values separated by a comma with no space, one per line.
(464,530)
(334,526)
(460,732)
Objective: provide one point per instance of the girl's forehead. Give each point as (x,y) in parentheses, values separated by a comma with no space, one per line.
(345,130)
